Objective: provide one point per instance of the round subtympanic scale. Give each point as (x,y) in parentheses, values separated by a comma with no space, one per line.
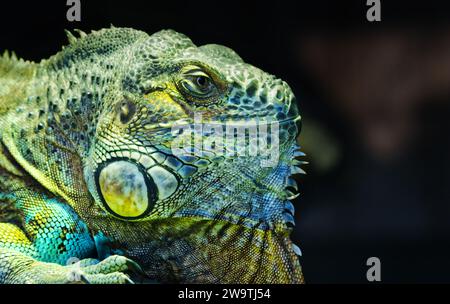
(124,189)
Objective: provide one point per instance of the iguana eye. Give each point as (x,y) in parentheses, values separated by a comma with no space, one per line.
(203,82)
(197,84)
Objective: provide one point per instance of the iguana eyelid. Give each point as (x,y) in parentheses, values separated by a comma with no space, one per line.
(189,71)
(195,71)
(204,69)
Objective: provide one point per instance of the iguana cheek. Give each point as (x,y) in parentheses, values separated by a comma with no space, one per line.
(124,189)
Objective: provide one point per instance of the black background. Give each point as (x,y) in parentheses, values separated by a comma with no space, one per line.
(398,211)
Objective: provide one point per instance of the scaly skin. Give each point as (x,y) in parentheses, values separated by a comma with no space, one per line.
(87,168)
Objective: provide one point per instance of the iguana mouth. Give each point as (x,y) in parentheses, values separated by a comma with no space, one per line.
(237,121)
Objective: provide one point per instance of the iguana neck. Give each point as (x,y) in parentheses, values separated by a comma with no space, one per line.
(48,133)
(62,109)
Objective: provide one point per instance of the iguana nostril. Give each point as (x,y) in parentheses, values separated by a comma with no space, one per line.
(124,189)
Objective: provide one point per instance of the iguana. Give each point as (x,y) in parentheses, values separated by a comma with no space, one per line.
(88,173)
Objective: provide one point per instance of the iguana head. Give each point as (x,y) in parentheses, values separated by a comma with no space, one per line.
(190,162)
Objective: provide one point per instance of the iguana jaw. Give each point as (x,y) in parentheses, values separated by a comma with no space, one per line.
(191,247)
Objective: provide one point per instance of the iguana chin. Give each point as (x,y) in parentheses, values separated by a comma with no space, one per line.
(88,173)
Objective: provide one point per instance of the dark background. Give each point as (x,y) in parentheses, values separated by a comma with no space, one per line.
(375,103)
